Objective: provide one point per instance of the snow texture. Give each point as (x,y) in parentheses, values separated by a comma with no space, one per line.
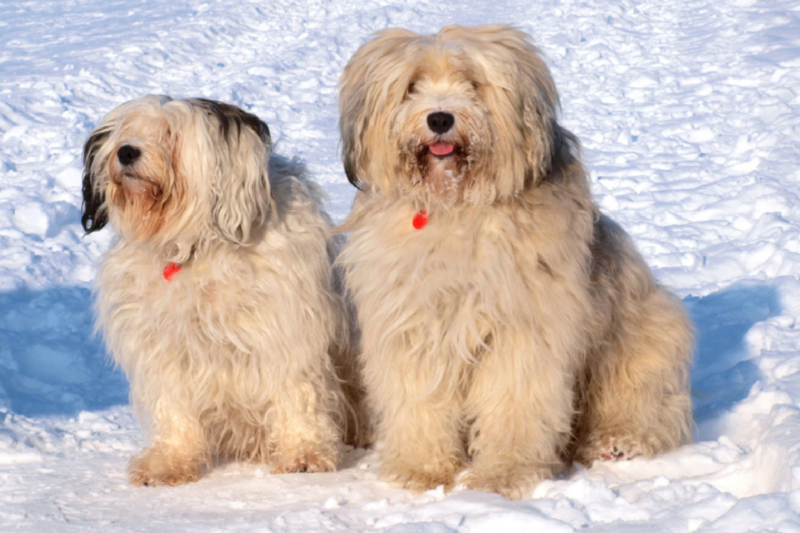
(689,113)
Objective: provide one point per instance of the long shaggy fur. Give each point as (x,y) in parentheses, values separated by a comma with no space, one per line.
(242,353)
(519,329)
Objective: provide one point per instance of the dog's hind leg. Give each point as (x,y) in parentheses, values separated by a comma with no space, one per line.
(636,392)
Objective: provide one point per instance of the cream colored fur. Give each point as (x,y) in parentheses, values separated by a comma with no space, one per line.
(519,329)
(237,356)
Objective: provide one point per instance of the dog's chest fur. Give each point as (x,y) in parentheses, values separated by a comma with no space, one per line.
(206,300)
(228,306)
(468,273)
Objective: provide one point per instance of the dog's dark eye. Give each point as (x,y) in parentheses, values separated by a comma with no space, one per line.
(412,88)
(475,86)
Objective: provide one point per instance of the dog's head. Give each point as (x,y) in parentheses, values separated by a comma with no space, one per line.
(467,114)
(170,171)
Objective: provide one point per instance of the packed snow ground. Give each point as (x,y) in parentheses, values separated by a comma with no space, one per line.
(689,112)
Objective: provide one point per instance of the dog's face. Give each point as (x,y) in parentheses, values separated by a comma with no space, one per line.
(465,115)
(171,171)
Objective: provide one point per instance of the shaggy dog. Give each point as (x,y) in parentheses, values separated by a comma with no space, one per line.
(507,326)
(217,299)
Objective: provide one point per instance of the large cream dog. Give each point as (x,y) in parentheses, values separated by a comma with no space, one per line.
(507,326)
(217,299)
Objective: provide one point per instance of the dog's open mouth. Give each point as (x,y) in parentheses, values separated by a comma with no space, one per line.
(438,150)
(442,149)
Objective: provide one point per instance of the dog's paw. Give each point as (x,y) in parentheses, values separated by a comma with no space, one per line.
(153,468)
(307,462)
(614,448)
(420,478)
(421,481)
(513,483)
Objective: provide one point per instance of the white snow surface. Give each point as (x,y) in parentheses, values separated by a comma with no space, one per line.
(689,113)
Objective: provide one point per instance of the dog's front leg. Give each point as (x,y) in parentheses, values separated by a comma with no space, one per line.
(521,404)
(178,450)
(304,432)
(420,428)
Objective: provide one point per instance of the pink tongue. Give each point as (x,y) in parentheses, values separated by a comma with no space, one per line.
(441,148)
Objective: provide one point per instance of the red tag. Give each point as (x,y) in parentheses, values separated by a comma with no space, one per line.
(420,219)
(170,270)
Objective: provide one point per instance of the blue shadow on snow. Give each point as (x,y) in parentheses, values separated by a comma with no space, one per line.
(50,361)
(724,372)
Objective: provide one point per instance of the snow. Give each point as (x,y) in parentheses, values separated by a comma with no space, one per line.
(689,112)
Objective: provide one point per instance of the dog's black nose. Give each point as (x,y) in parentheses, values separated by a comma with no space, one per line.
(441,122)
(128,154)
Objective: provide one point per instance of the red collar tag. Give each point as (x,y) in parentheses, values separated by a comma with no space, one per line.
(170,270)
(420,219)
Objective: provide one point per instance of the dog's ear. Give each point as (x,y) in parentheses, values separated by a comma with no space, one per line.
(241,201)
(353,114)
(95,215)
(374,75)
(538,102)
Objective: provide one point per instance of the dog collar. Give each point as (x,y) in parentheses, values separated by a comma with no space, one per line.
(420,219)
(170,270)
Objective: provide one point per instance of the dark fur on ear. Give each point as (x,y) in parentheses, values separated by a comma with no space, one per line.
(350,170)
(351,130)
(228,115)
(94,216)
(565,149)
(241,196)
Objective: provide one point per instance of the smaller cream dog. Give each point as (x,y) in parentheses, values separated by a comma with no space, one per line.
(218,298)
